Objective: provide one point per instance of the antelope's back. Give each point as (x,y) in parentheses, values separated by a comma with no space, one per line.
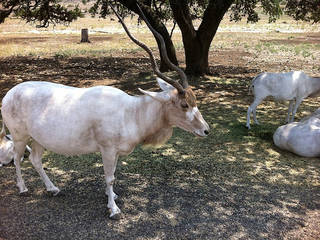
(61,118)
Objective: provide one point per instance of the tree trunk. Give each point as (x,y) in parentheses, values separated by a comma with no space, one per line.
(85,35)
(197,42)
(196,56)
(159,27)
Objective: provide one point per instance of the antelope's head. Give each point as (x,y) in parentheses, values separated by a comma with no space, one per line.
(179,99)
(180,109)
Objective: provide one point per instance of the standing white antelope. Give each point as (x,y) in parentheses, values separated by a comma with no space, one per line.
(293,86)
(72,121)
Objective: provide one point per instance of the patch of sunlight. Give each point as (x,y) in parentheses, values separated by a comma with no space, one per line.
(9,192)
(169,152)
(98,164)
(179,143)
(249,150)
(280,178)
(59,172)
(182,185)
(185,157)
(128,223)
(194,172)
(219,151)
(172,217)
(269,164)
(221,118)
(297,171)
(231,158)
(247,159)
(261,189)
(272,152)
(256,170)
(241,233)
(33,200)
(139,188)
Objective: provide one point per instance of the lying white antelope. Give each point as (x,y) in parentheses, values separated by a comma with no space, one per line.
(72,121)
(7,148)
(293,86)
(301,138)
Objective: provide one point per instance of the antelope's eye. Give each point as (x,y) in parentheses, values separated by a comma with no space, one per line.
(184,105)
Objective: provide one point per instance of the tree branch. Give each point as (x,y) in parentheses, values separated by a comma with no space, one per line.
(182,15)
(212,17)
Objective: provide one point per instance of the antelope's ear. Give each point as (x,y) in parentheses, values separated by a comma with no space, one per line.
(164,85)
(159,96)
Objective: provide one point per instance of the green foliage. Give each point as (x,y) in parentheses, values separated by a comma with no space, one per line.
(47,12)
(243,8)
(303,10)
(44,12)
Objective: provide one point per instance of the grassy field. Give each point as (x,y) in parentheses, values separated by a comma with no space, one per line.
(234,184)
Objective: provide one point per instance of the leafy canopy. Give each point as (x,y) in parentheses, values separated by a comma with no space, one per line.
(46,12)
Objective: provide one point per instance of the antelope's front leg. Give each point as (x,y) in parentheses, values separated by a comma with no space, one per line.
(291,103)
(109,159)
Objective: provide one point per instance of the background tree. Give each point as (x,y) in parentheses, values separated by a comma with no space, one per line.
(43,12)
(196,40)
(155,13)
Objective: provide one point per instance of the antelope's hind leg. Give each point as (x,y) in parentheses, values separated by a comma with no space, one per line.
(36,160)
(295,108)
(252,109)
(19,147)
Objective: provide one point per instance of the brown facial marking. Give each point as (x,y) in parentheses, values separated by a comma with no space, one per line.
(190,97)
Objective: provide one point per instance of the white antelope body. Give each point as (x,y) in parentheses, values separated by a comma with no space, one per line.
(74,121)
(293,86)
(301,138)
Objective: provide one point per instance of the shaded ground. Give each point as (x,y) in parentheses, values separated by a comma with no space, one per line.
(232,185)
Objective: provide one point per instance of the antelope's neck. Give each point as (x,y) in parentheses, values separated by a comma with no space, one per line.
(315,88)
(154,129)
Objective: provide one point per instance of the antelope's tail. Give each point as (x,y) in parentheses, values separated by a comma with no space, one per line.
(3,131)
(252,84)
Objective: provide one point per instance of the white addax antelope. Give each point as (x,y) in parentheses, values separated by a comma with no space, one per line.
(293,86)
(72,121)
(301,138)
(7,148)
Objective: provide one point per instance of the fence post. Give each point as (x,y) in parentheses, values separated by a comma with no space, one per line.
(85,35)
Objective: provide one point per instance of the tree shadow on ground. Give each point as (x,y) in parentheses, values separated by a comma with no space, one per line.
(161,197)
(235,184)
(126,73)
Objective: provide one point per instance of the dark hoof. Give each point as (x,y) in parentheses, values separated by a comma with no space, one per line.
(24,194)
(116,216)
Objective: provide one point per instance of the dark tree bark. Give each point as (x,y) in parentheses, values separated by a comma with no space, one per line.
(158,26)
(197,42)
(85,35)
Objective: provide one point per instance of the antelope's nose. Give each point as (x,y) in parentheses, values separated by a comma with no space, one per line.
(206,132)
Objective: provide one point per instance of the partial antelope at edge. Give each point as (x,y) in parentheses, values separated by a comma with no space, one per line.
(301,138)
(72,121)
(292,86)
(7,148)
